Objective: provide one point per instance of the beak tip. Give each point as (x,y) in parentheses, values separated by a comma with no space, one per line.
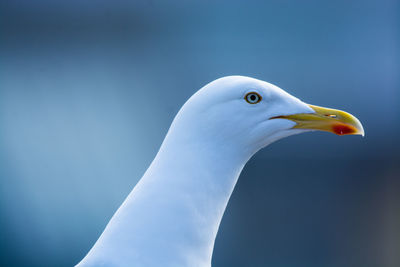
(362,133)
(359,127)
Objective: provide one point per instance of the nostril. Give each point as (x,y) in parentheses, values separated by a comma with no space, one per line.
(331,116)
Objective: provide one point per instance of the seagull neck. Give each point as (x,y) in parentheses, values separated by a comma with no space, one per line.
(174,211)
(197,182)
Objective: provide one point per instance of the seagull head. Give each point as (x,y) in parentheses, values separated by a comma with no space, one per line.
(243,113)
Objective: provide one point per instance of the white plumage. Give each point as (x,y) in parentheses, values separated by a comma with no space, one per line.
(171,217)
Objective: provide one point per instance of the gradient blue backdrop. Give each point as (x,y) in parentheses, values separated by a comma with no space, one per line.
(88,90)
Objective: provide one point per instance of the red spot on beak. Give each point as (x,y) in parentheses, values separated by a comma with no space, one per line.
(342,129)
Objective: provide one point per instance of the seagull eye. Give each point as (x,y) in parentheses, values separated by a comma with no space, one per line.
(252,98)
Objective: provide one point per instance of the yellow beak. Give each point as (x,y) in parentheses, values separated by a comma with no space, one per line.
(326,119)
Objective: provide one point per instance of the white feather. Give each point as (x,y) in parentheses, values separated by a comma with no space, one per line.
(171,217)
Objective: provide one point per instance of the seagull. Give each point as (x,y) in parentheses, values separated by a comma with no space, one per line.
(172,215)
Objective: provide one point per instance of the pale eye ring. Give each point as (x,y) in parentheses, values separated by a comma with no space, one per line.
(252,98)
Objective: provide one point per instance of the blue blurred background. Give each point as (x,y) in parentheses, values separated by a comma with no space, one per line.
(88,90)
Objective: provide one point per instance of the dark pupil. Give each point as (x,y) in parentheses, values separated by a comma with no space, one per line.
(253,98)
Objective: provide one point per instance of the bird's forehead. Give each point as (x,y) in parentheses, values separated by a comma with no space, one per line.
(265,89)
(235,87)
